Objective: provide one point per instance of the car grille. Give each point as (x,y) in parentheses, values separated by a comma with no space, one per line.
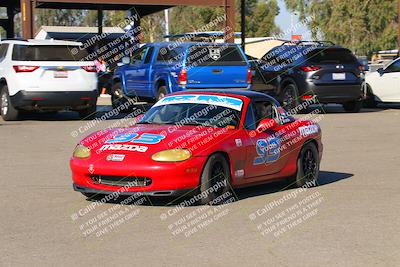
(121,181)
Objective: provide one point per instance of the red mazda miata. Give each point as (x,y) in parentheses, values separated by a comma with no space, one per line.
(205,142)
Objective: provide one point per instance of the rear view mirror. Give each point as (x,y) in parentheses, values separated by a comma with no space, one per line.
(126,60)
(380,71)
(266,124)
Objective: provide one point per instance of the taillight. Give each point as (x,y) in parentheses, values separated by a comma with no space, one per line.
(182,79)
(24,68)
(89,68)
(310,68)
(249,76)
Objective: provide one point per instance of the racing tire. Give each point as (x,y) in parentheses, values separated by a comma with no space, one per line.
(118,97)
(290,97)
(87,114)
(214,180)
(8,111)
(352,107)
(162,92)
(370,101)
(307,166)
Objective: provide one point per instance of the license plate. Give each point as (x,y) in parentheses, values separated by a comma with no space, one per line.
(61,74)
(338,76)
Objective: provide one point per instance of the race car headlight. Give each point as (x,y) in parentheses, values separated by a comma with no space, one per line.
(172,155)
(81,152)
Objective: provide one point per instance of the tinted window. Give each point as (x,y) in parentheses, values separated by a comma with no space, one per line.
(169,55)
(138,56)
(282,56)
(149,55)
(48,53)
(394,67)
(215,56)
(331,55)
(3,51)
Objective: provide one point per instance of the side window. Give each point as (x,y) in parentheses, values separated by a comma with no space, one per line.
(264,110)
(138,57)
(249,121)
(149,55)
(394,67)
(169,55)
(3,51)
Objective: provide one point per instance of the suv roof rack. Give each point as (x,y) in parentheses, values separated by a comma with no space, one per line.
(320,43)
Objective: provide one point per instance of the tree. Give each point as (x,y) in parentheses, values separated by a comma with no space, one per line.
(363,26)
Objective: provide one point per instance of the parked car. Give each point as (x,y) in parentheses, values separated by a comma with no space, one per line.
(299,71)
(158,69)
(46,75)
(383,85)
(202,142)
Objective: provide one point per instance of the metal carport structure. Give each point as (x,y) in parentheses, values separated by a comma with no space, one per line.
(141,7)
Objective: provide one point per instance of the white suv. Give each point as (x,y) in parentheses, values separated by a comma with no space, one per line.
(46,75)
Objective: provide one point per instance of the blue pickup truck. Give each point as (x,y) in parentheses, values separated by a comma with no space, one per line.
(158,69)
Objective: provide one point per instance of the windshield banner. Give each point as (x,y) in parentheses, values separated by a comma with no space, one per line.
(223,101)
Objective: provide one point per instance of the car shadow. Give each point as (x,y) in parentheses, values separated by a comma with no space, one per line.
(337,109)
(103,113)
(325,178)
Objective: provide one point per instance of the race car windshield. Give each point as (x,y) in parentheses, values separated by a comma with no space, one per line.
(192,114)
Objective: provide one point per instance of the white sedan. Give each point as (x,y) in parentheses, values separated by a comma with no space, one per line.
(383,85)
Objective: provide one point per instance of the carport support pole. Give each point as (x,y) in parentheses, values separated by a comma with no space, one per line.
(10,22)
(230,22)
(28,18)
(243,22)
(100,20)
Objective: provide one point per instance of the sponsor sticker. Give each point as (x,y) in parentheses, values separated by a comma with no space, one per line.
(308,130)
(239,173)
(115,157)
(124,147)
(238,142)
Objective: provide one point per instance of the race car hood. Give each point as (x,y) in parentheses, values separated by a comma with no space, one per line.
(145,140)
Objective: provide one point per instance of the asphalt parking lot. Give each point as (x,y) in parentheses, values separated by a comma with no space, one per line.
(351,219)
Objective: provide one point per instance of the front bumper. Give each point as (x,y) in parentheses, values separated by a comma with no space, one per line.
(166,179)
(54,100)
(165,193)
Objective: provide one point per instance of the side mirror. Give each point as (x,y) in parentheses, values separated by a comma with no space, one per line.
(126,60)
(266,124)
(380,71)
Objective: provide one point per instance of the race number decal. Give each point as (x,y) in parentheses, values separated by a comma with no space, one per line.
(147,139)
(268,151)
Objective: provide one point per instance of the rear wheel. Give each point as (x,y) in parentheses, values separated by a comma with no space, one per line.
(162,92)
(8,111)
(352,107)
(290,97)
(214,179)
(307,166)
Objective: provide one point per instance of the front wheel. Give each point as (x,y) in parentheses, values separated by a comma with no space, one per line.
(118,97)
(352,107)
(8,111)
(215,179)
(307,166)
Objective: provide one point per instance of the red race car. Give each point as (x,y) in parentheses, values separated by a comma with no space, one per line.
(200,141)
